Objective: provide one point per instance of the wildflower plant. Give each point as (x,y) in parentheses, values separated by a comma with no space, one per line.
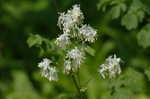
(111,67)
(74,41)
(76,34)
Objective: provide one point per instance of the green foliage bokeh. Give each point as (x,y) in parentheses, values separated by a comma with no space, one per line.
(123,27)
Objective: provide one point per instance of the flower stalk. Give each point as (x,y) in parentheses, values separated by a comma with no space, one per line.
(77,85)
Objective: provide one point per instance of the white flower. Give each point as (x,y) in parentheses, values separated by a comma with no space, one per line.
(65,22)
(63,40)
(111,68)
(67,65)
(69,20)
(45,63)
(77,14)
(88,33)
(76,56)
(48,71)
(74,59)
(52,75)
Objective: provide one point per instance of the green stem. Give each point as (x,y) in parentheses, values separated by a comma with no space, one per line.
(78,78)
(76,85)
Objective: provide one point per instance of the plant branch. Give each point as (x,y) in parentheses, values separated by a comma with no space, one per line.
(76,85)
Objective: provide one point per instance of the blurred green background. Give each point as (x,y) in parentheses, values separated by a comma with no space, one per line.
(123,27)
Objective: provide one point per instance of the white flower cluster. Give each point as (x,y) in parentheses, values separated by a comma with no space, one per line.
(87,33)
(72,25)
(74,59)
(63,40)
(111,67)
(48,71)
(69,20)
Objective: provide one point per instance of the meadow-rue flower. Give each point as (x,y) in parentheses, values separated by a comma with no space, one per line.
(63,40)
(77,14)
(45,63)
(65,22)
(47,70)
(67,66)
(111,67)
(68,21)
(87,33)
(76,56)
(74,59)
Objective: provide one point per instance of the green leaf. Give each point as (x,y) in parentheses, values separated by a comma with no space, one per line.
(134,15)
(130,21)
(143,36)
(34,40)
(103,4)
(140,15)
(116,10)
(128,82)
(131,79)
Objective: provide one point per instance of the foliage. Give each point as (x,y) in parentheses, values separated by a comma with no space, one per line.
(144,36)
(28,30)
